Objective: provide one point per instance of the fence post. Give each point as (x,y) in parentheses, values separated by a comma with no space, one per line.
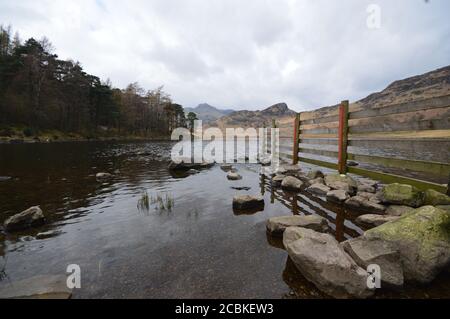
(343,137)
(296,139)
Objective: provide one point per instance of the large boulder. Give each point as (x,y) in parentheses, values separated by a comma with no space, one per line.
(32,217)
(377,252)
(435,198)
(247,202)
(361,204)
(318,189)
(373,220)
(423,239)
(277,225)
(291,183)
(402,194)
(321,260)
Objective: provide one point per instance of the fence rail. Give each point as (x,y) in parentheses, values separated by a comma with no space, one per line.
(405,126)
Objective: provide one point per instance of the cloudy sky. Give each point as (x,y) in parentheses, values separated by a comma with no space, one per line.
(244,54)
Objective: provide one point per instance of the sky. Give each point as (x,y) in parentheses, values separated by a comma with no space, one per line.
(244,54)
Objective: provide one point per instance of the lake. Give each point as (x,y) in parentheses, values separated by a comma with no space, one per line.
(199,248)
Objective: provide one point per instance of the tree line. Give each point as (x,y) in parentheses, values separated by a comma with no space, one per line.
(42,92)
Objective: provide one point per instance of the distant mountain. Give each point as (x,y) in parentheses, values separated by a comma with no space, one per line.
(207,113)
(278,112)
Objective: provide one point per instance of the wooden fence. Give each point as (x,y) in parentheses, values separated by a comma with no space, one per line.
(414,125)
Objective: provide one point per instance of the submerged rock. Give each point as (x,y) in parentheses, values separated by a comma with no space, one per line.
(103,176)
(373,220)
(422,238)
(402,194)
(321,260)
(368,252)
(435,198)
(245,202)
(291,183)
(38,287)
(337,196)
(318,189)
(185,165)
(232,176)
(226,167)
(32,217)
(277,225)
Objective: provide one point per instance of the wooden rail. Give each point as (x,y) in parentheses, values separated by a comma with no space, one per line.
(412,123)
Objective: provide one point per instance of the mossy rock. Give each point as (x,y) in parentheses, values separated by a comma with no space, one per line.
(402,194)
(435,198)
(423,239)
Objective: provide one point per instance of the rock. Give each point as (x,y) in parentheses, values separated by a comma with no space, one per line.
(32,217)
(342,186)
(422,238)
(38,287)
(396,210)
(362,204)
(290,170)
(435,198)
(322,261)
(337,196)
(318,180)
(265,161)
(193,171)
(368,252)
(234,176)
(315,174)
(278,179)
(333,178)
(185,165)
(226,167)
(4,178)
(402,194)
(370,197)
(103,176)
(245,202)
(373,220)
(318,189)
(243,188)
(352,163)
(366,188)
(444,207)
(291,183)
(277,225)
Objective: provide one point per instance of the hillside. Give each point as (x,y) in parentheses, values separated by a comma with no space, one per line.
(431,84)
(256,119)
(207,113)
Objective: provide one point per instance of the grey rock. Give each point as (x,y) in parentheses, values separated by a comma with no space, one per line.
(373,220)
(322,261)
(245,202)
(359,203)
(278,179)
(234,176)
(337,185)
(313,174)
(291,183)
(366,188)
(369,252)
(32,217)
(318,189)
(337,196)
(277,225)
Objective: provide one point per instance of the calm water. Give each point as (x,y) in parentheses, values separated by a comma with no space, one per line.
(199,248)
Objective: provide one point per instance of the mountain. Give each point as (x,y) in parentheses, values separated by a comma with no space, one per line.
(278,112)
(207,113)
